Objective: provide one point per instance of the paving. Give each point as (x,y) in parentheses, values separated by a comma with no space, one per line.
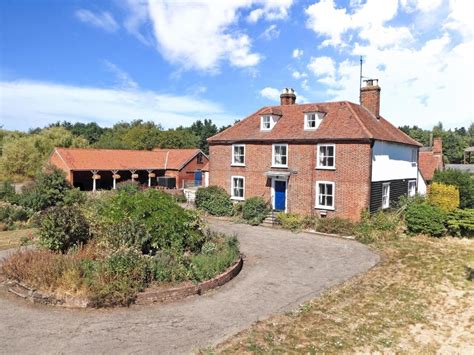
(281,270)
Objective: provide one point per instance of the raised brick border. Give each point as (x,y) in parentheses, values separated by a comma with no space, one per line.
(177,293)
(146,297)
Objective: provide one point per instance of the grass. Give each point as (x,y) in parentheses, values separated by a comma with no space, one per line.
(12,239)
(415,300)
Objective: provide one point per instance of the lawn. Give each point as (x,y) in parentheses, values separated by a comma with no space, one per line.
(416,300)
(12,239)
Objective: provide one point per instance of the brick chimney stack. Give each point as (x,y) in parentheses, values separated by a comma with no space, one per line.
(287,97)
(370,96)
(437,146)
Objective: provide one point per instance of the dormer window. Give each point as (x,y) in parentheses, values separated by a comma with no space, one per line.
(267,122)
(312,120)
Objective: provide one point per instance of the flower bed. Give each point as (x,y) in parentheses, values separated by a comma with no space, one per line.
(111,248)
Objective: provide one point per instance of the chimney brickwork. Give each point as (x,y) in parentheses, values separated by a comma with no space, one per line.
(437,146)
(370,96)
(288,97)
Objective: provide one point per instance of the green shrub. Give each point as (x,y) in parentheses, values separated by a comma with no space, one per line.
(49,189)
(444,196)
(291,221)
(463,180)
(62,228)
(460,223)
(13,216)
(214,200)
(181,198)
(377,226)
(425,219)
(117,279)
(254,210)
(212,262)
(166,267)
(7,192)
(335,225)
(128,186)
(74,196)
(163,223)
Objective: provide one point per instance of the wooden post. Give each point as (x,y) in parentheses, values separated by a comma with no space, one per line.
(114,177)
(133,174)
(151,174)
(94,179)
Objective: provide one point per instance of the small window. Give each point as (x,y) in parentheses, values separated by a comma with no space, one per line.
(312,120)
(266,124)
(280,155)
(238,154)
(325,195)
(326,156)
(199,158)
(412,188)
(414,156)
(386,195)
(238,185)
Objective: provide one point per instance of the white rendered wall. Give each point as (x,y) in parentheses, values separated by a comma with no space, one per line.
(421,185)
(391,161)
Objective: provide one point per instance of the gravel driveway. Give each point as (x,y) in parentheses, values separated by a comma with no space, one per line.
(281,270)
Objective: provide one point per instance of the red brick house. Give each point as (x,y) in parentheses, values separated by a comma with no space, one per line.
(326,159)
(91,169)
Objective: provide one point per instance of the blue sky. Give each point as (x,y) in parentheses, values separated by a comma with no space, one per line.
(177,61)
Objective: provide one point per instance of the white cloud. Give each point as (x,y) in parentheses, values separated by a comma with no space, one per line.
(424,80)
(323,68)
(297,53)
(136,18)
(26,104)
(270,10)
(123,79)
(103,20)
(271,32)
(270,93)
(199,35)
(333,23)
(298,75)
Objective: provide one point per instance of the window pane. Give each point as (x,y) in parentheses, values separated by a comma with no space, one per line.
(329,189)
(329,201)
(322,188)
(330,162)
(330,151)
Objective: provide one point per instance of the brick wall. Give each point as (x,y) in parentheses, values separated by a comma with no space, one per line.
(351,176)
(187,173)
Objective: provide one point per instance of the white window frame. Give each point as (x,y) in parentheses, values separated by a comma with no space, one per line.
(386,203)
(414,156)
(411,182)
(271,123)
(273,155)
(318,160)
(232,186)
(234,163)
(317,122)
(324,207)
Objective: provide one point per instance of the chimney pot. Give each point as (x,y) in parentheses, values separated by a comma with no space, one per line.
(370,96)
(287,97)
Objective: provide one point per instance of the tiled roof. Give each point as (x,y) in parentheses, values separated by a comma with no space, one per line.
(429,163)
(342,120)
(177,158)
(120,159)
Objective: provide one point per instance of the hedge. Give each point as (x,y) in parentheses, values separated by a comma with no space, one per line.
(460,223)
(425,219)
(214,200)
(444,196)
(254,210)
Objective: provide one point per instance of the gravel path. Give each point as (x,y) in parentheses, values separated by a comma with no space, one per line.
(281,270)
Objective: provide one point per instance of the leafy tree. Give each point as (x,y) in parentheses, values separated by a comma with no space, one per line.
(203,130)
(24,154)
(178,138)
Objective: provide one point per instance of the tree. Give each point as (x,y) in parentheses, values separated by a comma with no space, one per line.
(203,130)
(24,154)
(462,180)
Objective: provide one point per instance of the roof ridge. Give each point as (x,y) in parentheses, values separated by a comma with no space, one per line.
(349,104)
(238,123)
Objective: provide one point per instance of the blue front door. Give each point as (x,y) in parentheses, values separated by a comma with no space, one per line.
(198,177)
(280,195)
